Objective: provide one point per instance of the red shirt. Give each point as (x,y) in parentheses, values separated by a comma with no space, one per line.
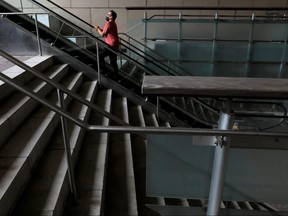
(111,32)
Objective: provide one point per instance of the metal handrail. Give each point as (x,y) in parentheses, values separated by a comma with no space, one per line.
(122,129)
(135,129)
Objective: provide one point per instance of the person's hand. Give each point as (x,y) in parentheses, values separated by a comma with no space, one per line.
(97,27)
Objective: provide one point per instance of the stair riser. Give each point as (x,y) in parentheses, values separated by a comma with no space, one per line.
(12,122)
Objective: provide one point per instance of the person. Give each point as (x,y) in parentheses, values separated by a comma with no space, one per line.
(110,32)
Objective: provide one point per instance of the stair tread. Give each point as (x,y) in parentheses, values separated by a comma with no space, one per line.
(91,169)
(27,144)
(54,179)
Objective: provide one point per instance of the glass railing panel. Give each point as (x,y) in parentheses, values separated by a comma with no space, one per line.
(25,6)
(15,3)
(270,31)
(167,30)
(226,69)
(261,49)
(233,31)
(226,51)
(168,49)
(196,51)
(265,70)
(283,71)
(135,28)
(70,17)
(198,68)
(201,31)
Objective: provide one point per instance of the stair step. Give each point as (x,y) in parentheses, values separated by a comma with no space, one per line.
(14,111)
(22,151)
(52,171)
(121,170)
(39,63)
(92,165)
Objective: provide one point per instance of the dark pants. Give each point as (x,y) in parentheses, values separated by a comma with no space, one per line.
(113,59)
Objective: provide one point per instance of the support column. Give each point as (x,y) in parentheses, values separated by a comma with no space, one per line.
(220,165)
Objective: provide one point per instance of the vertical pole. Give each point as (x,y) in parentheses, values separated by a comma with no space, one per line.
(38,36)
(21,3)
(98,62)
(249,48)
(281,68)
(214,44)
(67,146)
(220,164)
(145,26)
(179,38)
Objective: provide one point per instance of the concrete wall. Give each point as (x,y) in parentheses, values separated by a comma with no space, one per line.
(94,11)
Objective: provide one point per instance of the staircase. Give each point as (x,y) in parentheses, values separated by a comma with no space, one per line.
(109,168)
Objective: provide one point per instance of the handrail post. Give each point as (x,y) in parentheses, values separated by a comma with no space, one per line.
(67,146)
(145,27)
(38,36)
(220,164)
(21,3)
(98,62)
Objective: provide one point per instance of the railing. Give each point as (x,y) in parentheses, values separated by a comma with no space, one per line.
(149,55)
(87,31)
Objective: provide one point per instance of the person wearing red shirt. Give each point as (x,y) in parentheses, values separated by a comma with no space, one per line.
(110,32)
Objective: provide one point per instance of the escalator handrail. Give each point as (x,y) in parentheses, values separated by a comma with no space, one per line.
(93,36)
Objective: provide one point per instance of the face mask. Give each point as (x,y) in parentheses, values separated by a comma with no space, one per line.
(107,18)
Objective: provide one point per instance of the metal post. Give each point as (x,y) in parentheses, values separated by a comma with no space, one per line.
(249,48)
(38,36)
(281,68)
(180,27)
(220,165)
(145,26)
(98,62)
(21,3)
(67,146)
(214,44)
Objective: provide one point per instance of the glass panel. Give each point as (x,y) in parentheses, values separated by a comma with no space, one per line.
(197,68)
(260,50)
(231,51)
(258,175)
(284,71)
(135,29)
(167,31)
(198,31)
(233,31)
(169,49)
(270,31)
(264,70)
(229,70)
(15,3)
(196,51)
